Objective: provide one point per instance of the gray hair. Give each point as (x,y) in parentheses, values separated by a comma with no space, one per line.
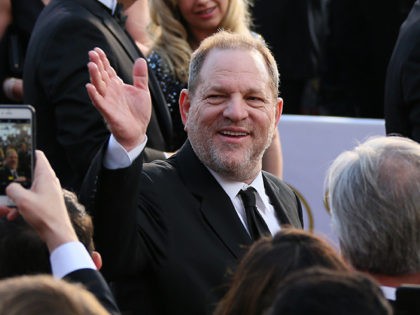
(227,40)
(374,194)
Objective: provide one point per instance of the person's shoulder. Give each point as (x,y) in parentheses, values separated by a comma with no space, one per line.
(159,170)
(276,181)
(64,11)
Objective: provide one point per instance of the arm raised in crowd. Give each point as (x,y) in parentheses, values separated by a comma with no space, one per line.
(126,108)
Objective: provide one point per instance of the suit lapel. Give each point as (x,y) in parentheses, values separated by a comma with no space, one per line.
(281,202)
(104,15)
(161,121)
(216,206)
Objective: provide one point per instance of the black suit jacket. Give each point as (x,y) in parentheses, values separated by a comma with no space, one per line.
(96,284)
(15,40)
(170,235)
(357,51)
(69,129)
(407,300)
(402,88)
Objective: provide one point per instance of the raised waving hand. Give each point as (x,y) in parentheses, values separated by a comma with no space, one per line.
(126,108)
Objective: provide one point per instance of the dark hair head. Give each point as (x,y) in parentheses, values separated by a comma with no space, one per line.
(267,262)
(80,219)
(22,252)
(320,291)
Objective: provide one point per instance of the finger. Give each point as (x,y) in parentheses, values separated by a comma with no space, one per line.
(19,195)
(96,78)
(111,74)
(140,75)
(24,199)
(13,214)
(4,210)
(44,170)
(94,96)
(97,57)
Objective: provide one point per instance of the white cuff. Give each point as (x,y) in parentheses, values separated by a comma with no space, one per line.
(70,257)
(118,157)
(389,292)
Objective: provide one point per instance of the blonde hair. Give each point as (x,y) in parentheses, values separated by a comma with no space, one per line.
(43,294)
(172,40)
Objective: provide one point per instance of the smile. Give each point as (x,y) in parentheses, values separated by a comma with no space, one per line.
(206,11)
(234,134)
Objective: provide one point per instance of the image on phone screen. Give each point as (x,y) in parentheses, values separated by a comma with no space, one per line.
(15,150)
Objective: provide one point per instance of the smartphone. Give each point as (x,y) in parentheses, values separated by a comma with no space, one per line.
(17,147)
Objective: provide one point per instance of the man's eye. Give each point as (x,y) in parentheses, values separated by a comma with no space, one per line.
(214,96)
(255,99)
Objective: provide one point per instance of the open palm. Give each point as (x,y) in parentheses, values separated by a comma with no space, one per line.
(126,108)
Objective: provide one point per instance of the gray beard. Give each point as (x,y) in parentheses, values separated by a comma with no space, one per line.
(243,170)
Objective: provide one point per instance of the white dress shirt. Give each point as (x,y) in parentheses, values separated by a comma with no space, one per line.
(265,208)
(111,4)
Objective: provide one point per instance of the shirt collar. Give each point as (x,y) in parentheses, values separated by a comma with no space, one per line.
(232,188)
(110,4)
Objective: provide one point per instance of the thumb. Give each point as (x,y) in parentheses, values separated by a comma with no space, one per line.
(140,74)
(19,195)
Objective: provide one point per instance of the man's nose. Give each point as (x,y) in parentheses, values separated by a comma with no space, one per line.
(236,109)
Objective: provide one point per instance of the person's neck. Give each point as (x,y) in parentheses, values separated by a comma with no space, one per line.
(196,37)
(397,280)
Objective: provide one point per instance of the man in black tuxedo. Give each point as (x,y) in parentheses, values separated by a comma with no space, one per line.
(402,87)
(10,170)
(69,129)
(374,195)
(47,210)
(171,231)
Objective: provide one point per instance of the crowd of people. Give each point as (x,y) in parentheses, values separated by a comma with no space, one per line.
(157,188)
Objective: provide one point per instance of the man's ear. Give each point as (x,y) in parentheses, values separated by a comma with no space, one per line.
(279,109)
(184,105)
(97,259)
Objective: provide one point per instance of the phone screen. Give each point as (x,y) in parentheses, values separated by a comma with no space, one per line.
(16,147)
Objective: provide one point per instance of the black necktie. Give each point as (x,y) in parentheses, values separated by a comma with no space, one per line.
(119,15)
(256,225)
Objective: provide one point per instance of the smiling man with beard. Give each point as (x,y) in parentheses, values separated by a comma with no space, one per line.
(171,230)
